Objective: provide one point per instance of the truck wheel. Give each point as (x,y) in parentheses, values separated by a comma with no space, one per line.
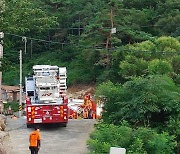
(29,126)
(64,124)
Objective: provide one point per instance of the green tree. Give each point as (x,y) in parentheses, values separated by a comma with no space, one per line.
(145,58)
(149,101)
(136,141)
(176,64)
(85,29)
(24,16)
(176,67)
(168,21)
(152,101)
(133,66)
(167,44)
(161,67)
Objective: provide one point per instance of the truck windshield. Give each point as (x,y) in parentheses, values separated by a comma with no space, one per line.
(30,93)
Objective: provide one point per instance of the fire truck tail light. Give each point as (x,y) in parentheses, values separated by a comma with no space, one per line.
(32,112)
(29,109)
(65,117)
(36,108)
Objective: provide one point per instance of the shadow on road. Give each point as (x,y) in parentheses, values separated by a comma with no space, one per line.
(50,127)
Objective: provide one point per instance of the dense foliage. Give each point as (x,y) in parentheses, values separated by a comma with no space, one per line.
(138,63)
(80,38)
(144,101)
(136,141)
(14,106)
(151,102)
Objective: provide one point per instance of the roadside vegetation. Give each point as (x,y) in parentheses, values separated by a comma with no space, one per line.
(136,69)
(142,140)
(13,105)
(147,107)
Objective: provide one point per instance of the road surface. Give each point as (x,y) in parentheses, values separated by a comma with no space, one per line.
(55,140)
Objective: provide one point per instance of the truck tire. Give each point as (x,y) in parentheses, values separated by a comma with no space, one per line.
(29,125)
(64,124)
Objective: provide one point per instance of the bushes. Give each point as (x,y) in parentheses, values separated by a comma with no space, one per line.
(14,106)
(136,141)
(144,102)
(147,101)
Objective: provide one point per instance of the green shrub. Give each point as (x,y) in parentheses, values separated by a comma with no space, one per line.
(136,141)
(14,106)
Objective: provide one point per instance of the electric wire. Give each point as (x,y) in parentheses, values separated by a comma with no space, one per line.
(36,39)
(96,48)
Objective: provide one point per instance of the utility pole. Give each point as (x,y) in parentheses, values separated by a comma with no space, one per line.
(79,30)
(20,75)
(20,84)
(1,56)
(31,48)
(25,43)
(113,30)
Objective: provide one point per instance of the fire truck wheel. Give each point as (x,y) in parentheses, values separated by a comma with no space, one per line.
(64,124)
(29,125)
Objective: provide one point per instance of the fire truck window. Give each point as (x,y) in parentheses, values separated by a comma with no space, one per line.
(44,88)
(54,73)
(45,73)
(30,93)
(29,79)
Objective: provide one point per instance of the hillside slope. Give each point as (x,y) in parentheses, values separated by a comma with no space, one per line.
(77,91)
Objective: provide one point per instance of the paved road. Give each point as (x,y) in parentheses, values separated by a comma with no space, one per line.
(55,140)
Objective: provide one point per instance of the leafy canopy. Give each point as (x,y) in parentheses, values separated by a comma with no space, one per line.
(145,101)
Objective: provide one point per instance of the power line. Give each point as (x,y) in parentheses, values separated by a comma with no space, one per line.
(81,28)
(137,51)
(160,25)
(67,28)
(95,47)
(153,52)
(24,38)
(36,39)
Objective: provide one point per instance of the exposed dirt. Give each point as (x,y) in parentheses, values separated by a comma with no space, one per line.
(78,91)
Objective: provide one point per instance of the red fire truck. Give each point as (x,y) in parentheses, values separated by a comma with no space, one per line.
(45,96)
